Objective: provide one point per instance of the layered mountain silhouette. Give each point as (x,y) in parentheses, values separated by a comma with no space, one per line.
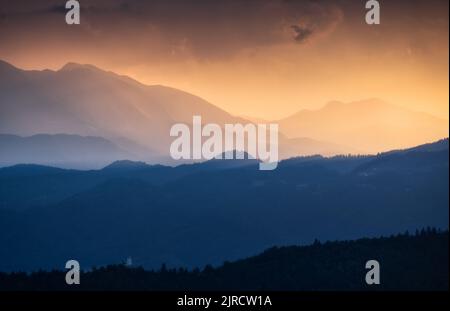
(87,101)
(84,100)
(202,213)
(206,213)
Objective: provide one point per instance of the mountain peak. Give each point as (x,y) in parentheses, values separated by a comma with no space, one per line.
(76,66)
(126,165)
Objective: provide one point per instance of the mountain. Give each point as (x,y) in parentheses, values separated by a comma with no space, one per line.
(370,126)
(198,214)
(126,165)
(20,191)
(85,100)
(71,151)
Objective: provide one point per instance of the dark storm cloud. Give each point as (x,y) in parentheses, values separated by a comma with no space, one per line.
(57,8)
(201,28)
(301,33)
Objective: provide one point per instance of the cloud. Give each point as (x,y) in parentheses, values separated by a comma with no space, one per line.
(301,33)
(201,29)
(57,8)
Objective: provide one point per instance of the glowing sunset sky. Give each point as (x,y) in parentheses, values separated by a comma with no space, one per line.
(260,58)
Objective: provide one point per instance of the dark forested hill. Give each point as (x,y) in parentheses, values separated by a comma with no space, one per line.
(407,262)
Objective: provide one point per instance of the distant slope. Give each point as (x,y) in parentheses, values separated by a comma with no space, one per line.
(369,126)
(60,150)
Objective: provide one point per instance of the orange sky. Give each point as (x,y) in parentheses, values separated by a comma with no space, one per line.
(245,56)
